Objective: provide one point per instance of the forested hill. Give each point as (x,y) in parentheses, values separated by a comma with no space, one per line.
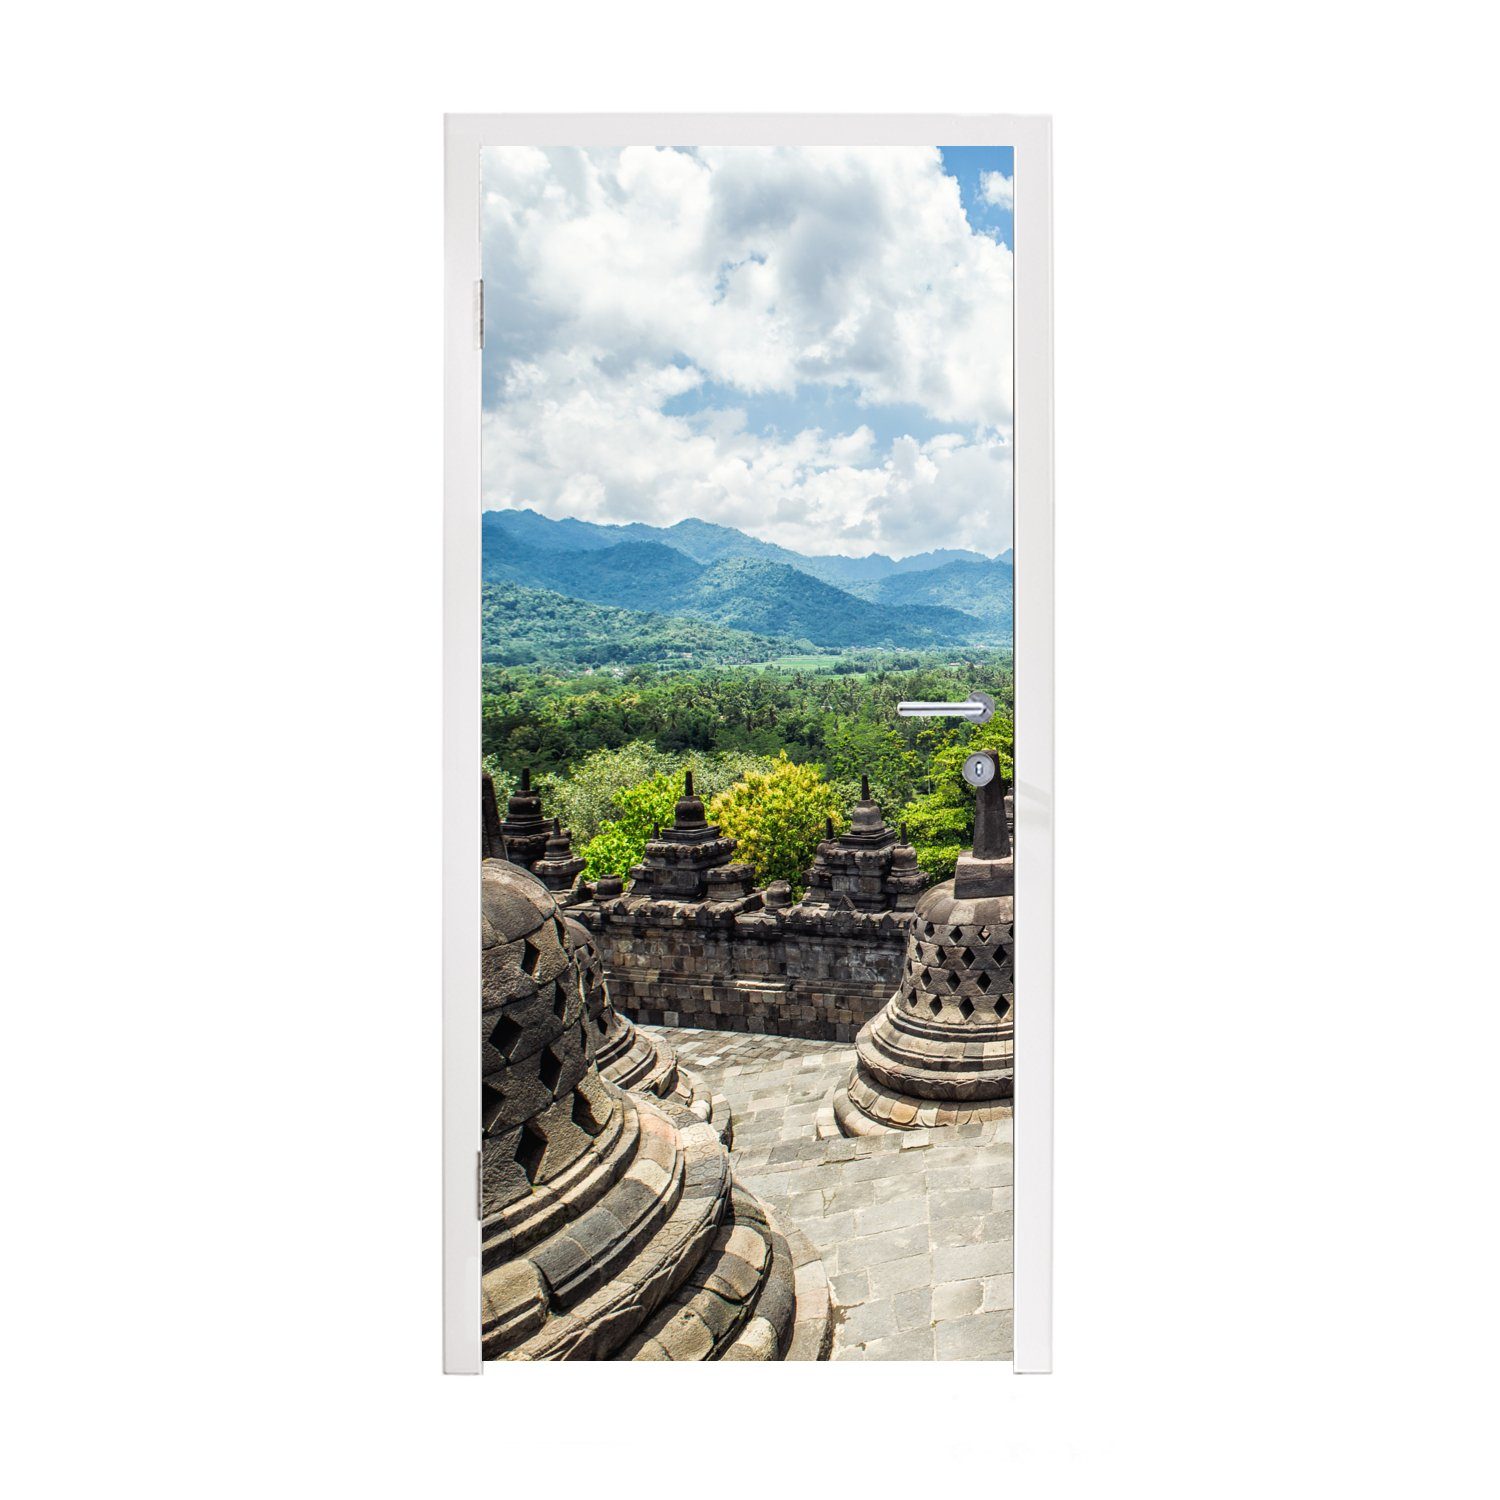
(707,542)
(744,585)
(983,589)
(522,627)
(753,595)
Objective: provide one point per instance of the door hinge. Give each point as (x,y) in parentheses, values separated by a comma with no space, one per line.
(479,312)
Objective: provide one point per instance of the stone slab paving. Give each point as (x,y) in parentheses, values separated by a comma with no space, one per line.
(914,1227)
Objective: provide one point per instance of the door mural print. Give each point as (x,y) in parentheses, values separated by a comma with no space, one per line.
(747,885)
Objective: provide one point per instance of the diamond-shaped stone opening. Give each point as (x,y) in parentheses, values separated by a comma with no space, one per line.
(967,958)
(935,1005)
(928,930)
(983,980)
(491,1101)
(531,957)
(1001,1005)
(550,1070)
(559,999)
(530,1149)
(955,934)
(966,1007)
(504,1037)
(911,1000)
(953,980)
(602,1022)
(583,1114)
(560,930)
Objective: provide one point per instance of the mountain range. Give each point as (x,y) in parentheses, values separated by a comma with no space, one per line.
(523,627)
(701,571)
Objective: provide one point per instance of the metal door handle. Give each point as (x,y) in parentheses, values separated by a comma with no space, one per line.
(979,709)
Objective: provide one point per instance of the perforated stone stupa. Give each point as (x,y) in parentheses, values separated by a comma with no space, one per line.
(867,868)
(625,1055)
(612,1227)
(942,1050)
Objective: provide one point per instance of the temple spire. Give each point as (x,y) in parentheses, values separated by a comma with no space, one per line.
(991,836)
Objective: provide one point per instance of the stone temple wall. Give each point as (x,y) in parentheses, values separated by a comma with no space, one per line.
(694,943)
(792,971)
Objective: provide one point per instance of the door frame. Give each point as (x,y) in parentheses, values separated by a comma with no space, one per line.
(465,136)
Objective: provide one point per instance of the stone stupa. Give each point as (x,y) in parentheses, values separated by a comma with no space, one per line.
(611,1224)
(867,868)
(559,868)
(691,860)
(941,1052)
(525,831)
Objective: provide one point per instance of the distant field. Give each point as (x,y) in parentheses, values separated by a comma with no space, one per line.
(818,663)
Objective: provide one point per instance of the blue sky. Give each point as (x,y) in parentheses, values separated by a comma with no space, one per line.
(969,165)
(812,345)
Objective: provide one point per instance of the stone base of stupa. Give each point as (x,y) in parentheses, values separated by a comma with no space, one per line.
(862,1108)
(942,1052)
(630,1059)
(671,1260)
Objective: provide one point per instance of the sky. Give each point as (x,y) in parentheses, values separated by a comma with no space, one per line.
(813,345)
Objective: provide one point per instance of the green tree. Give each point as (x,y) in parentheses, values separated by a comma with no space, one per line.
(589,795)
(940,821)
(621,841)
(867,746)
(778,816)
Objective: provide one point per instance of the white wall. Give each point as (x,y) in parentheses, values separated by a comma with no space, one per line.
(1277,999)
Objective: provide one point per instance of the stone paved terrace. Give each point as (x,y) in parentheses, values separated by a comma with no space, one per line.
(914,1227)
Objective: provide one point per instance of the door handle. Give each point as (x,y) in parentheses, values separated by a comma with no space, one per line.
(978,709)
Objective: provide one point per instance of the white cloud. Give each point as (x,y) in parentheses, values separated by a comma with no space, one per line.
(997,188)
(617,280)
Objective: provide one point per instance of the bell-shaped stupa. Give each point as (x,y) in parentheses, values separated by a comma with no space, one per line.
(625,1055)
(611,1224)
(942,1050)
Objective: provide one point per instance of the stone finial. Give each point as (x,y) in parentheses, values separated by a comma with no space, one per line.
(828,825)
(559,868)
(989,869)
(864,787)
(690,813)
(491,840)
